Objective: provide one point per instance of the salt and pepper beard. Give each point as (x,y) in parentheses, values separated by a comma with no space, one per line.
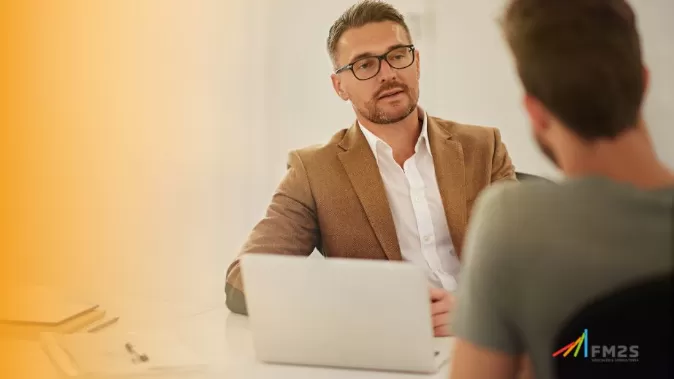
(377,115)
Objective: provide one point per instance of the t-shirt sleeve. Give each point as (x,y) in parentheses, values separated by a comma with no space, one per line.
(487,287)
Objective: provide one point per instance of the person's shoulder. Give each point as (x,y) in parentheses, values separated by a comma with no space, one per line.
(531,203)
(320,153)
(472,134)
(521,196)
(509,219)
(497,200)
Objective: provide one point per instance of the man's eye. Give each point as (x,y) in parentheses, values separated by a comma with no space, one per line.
(364,65)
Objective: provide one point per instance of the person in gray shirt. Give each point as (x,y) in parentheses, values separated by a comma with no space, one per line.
(537,253)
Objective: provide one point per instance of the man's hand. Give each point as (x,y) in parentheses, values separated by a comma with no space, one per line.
(442,303)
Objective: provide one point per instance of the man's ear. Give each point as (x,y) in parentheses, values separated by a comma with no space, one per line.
(337,85)
(538,114)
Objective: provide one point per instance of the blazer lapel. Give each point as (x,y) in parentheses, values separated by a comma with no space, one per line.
(450,174)
(361,168)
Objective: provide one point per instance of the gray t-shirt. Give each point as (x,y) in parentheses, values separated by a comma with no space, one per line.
(536,252)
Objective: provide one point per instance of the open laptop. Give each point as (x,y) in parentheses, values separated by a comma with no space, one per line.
(347,313)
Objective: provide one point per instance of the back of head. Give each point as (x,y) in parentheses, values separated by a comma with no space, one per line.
(581,59)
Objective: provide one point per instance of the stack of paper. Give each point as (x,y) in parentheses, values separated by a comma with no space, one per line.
(29,311)
(86,355)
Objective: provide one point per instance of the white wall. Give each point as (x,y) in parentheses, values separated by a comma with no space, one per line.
(657,31)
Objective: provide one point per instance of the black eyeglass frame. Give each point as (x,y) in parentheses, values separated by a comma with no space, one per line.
(380,58)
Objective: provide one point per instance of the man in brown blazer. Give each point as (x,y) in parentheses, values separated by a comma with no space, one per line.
(398,184)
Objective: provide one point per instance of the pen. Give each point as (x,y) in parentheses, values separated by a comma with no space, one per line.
(103,325)
(136,355)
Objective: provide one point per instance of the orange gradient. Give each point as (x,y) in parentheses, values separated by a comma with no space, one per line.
(108,110)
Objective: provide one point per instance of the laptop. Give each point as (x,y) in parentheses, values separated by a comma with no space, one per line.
(343,313)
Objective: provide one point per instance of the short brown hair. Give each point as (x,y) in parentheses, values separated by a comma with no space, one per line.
(360,14)
(581,59)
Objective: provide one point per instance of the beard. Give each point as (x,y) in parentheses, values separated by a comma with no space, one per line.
(547,151)
(377,112)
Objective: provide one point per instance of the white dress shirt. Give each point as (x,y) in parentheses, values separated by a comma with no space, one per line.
(416,206)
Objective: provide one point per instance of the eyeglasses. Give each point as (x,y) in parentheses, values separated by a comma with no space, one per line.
(368,67)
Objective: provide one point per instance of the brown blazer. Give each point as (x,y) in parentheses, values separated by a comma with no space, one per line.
(332,197)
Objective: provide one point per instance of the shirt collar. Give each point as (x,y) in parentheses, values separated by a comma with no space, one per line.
(375,141)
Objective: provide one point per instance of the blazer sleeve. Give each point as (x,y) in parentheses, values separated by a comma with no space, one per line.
(289,227)
(502,167)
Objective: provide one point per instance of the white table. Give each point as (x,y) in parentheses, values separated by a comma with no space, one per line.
(223,339)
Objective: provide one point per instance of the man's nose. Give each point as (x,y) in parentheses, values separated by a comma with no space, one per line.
(386,72)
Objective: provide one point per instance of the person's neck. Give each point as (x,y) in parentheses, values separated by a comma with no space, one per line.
(629,158)
(401,136)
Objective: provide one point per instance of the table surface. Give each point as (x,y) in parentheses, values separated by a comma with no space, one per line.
(222,338)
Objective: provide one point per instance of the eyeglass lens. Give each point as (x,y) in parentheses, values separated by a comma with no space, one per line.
(367,68)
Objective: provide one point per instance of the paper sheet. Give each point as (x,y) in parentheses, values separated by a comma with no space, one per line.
(105,355)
